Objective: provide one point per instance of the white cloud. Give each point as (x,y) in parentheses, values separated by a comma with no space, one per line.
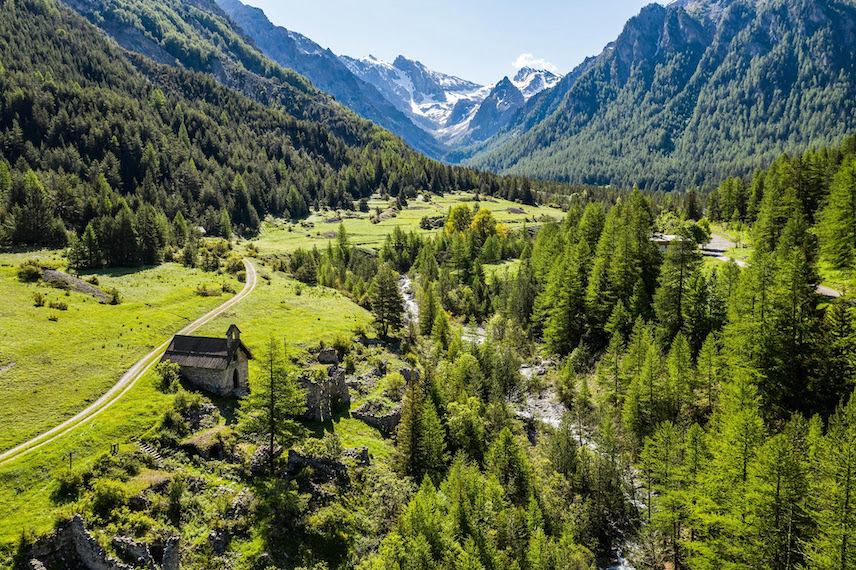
(529,60)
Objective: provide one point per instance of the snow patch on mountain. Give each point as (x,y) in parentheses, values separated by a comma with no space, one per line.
(532,81)
(445,105)
(430,98)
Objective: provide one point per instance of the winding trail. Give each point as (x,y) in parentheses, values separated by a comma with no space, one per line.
(720,243)
(128,379)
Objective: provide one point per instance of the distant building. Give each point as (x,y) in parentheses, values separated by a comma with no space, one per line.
(217,365)
(663,241)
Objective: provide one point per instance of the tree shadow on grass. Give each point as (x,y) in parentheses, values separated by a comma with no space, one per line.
(116,271)
(318,429)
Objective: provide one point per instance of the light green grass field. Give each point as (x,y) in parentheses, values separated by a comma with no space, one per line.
(273,308)
(317,314)
(55,369)
(275,236)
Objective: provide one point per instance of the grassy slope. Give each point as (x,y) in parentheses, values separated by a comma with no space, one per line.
(60,367)
(275,237)
(274,308)
(303,321)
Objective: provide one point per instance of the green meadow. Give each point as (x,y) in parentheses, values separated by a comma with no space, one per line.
(302,317)
(282,236)
(279,306)
(52,369)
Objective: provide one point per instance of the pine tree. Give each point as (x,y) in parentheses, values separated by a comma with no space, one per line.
(834,494)
(676,279)
(709,370)
(387,303)
(225,225)
(433,442)
(838,218)
(409,433)
(428,309)
(274,400)
(85,253)
(32,221)
(507,461)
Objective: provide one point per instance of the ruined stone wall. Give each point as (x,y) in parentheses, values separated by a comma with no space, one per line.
(325,398)
(384,422)
(71,545)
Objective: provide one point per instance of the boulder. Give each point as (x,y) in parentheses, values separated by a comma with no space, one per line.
(261,458)
(130,550)
(240,506)
(328,356)
(385,421)
(360,455)
(172,554)
(219,539)
(71,545)
(409,374)
(203,416)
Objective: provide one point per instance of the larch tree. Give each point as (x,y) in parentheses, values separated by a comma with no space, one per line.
(387,303)
(838,218)
(275,399)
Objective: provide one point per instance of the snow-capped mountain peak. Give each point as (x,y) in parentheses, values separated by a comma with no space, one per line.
(429,97)
(532,81)
(448,107)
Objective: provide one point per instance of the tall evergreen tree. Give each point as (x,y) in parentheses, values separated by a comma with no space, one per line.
(387,303)
(274,401)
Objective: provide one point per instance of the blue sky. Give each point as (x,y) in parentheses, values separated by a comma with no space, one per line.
(479,40)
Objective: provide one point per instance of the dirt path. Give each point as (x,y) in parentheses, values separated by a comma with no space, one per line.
(719,244)
(127,381)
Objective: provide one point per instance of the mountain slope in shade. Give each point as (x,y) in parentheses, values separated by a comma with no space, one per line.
(327,72)
(690,93)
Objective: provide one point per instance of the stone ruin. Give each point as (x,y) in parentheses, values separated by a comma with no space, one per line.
(385,421)
(327,396)
(71,546)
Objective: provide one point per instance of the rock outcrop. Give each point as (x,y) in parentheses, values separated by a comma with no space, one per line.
(71,546)
(133,551)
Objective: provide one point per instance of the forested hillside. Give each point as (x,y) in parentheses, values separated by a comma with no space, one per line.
(92,134)
(691,93)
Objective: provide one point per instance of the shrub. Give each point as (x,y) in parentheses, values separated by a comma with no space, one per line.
(241,276)
(58,305)
(107,497)
(350,364)
(59,284)
(93,280)
(328,447)
(173,423)
(115,297)
(185,401)
(38,299)
(29,272)
(342,344)
(205,291)
(68,485)
(229,288)
(394,386)
(175,493)
(234,264)
(169,374)
(53,318)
